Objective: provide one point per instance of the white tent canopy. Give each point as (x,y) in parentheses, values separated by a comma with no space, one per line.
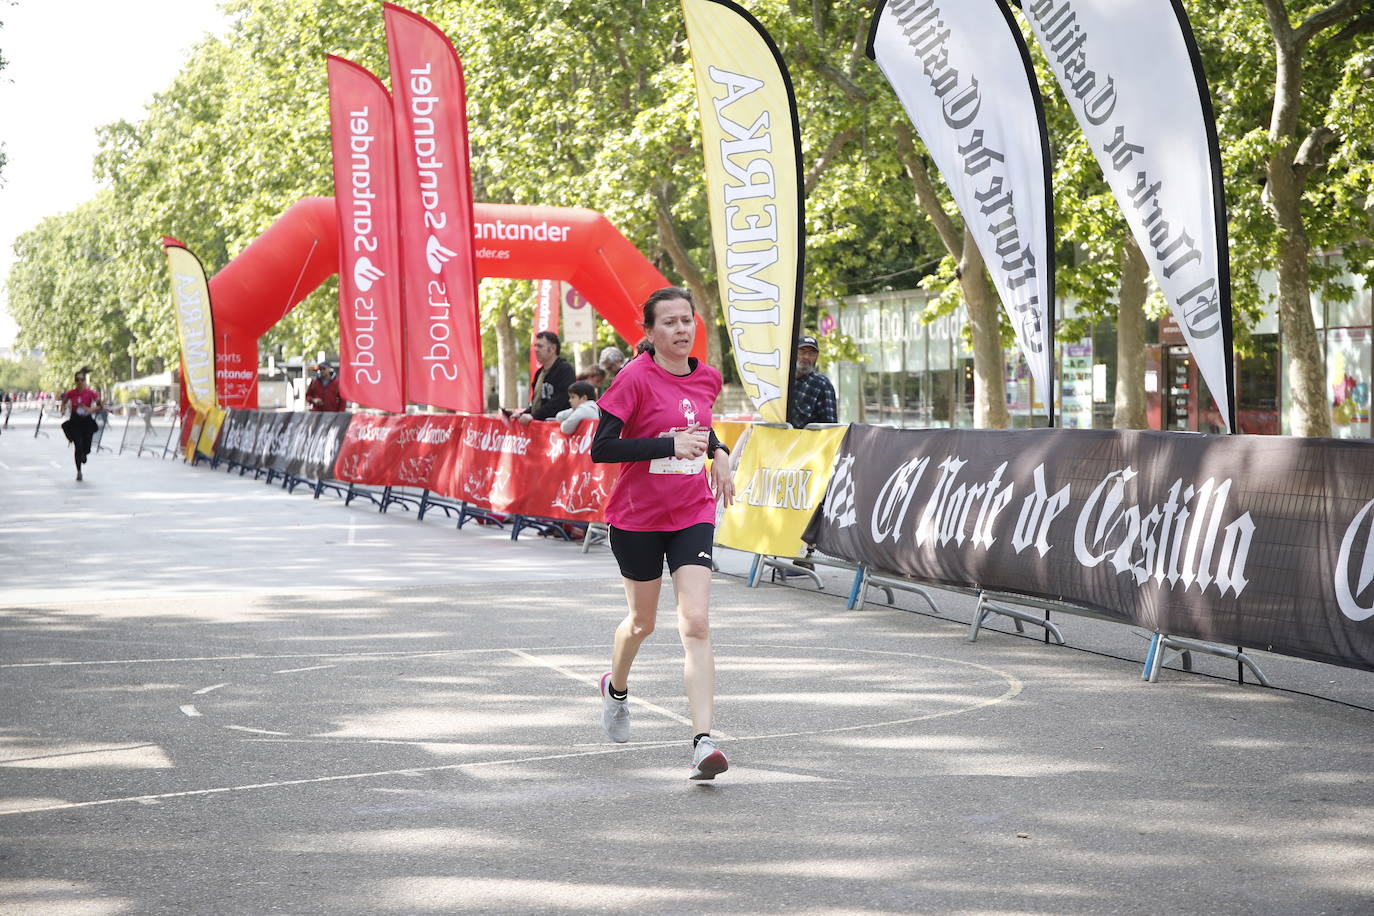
(160,380)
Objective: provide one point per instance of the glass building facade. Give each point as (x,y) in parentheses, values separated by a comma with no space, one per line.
(918,374)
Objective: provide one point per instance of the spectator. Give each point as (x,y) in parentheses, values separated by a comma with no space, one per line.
(597,376)
(549,385)
(813,397)
(323,392)
(611,360)
(582,397)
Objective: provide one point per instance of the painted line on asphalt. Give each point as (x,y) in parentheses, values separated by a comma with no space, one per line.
(190,710)
(311,668)
(1014,688)
(595,682)
(9,761)
(257,731)
(205,690)
(345,777)
(428,653)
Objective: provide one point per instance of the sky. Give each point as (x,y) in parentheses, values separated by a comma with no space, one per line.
(75,65)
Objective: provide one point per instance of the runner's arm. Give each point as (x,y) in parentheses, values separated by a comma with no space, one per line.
(609,448)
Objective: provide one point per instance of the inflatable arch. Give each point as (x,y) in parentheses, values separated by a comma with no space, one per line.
(299,251)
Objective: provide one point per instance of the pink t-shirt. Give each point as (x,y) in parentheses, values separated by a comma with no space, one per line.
(82,400)
(666,494)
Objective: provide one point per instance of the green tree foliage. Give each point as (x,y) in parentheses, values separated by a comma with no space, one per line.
(1291,83)
(24,374)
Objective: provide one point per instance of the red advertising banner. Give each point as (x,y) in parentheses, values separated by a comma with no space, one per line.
(443,343)
(370,328)
(488,462)
(413,451)
(531,470)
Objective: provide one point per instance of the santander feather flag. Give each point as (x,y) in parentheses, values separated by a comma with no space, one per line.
(370,323)
(443,345)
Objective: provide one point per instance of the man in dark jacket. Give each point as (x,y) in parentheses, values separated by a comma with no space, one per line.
(549,384)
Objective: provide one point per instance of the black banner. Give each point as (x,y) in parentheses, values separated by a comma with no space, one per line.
(316,444)
(1256,541)
(237,436)
(274,440)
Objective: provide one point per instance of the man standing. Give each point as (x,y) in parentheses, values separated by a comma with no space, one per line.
(549,386)
(323,391)
(813,397)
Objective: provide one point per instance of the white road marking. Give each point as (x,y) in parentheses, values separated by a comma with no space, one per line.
(257,731)
(595,682)
(248,658)
(204,690)
(311,668)
(407,771)
(352,531)
(5,466)
(1014,688)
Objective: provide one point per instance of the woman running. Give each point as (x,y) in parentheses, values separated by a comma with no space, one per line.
(656,420)
(81,428)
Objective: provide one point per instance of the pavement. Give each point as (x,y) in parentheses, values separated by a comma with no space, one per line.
(218,697)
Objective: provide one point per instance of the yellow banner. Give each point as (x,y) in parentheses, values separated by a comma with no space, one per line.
(209,430)
(195,326)
(188,450)
(753,188)
(779,482)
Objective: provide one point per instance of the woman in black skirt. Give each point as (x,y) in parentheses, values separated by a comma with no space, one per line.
(83,402)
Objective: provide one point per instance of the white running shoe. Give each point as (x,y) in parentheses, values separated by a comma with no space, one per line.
(707,760)
(615,714)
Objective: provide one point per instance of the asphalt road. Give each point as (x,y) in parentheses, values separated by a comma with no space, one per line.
(221,698)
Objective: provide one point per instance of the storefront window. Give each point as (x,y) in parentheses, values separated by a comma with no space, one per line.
(1257,388)
(1347,381)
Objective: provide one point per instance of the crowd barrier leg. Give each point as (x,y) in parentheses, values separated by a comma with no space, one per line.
(787,565)
(986,608)
(596,531)
(125,438)
(1161,642)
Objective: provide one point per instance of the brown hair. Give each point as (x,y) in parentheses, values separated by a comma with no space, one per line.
(664,295)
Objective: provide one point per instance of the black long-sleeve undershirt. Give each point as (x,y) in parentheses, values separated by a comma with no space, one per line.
(609,448)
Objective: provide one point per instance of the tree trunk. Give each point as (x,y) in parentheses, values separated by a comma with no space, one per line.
(1130,338)
(1310,414)
(510,392)
(989,373)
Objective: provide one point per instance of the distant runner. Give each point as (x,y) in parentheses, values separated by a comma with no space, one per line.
(80,429)
(656,420)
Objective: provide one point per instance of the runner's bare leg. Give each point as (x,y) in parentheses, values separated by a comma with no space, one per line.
(692,587)
(642,598)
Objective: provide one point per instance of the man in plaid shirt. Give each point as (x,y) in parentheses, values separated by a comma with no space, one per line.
(813,398)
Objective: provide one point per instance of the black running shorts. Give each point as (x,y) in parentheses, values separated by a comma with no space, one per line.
(641,553)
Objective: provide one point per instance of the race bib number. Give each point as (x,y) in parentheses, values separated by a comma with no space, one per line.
(677,465)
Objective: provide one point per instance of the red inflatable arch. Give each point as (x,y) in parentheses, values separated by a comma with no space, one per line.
(299,251)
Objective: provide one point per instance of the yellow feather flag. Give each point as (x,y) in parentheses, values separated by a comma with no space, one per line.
(754,189)
(195,325)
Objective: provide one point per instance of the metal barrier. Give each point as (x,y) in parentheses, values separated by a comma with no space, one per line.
(1008,605)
